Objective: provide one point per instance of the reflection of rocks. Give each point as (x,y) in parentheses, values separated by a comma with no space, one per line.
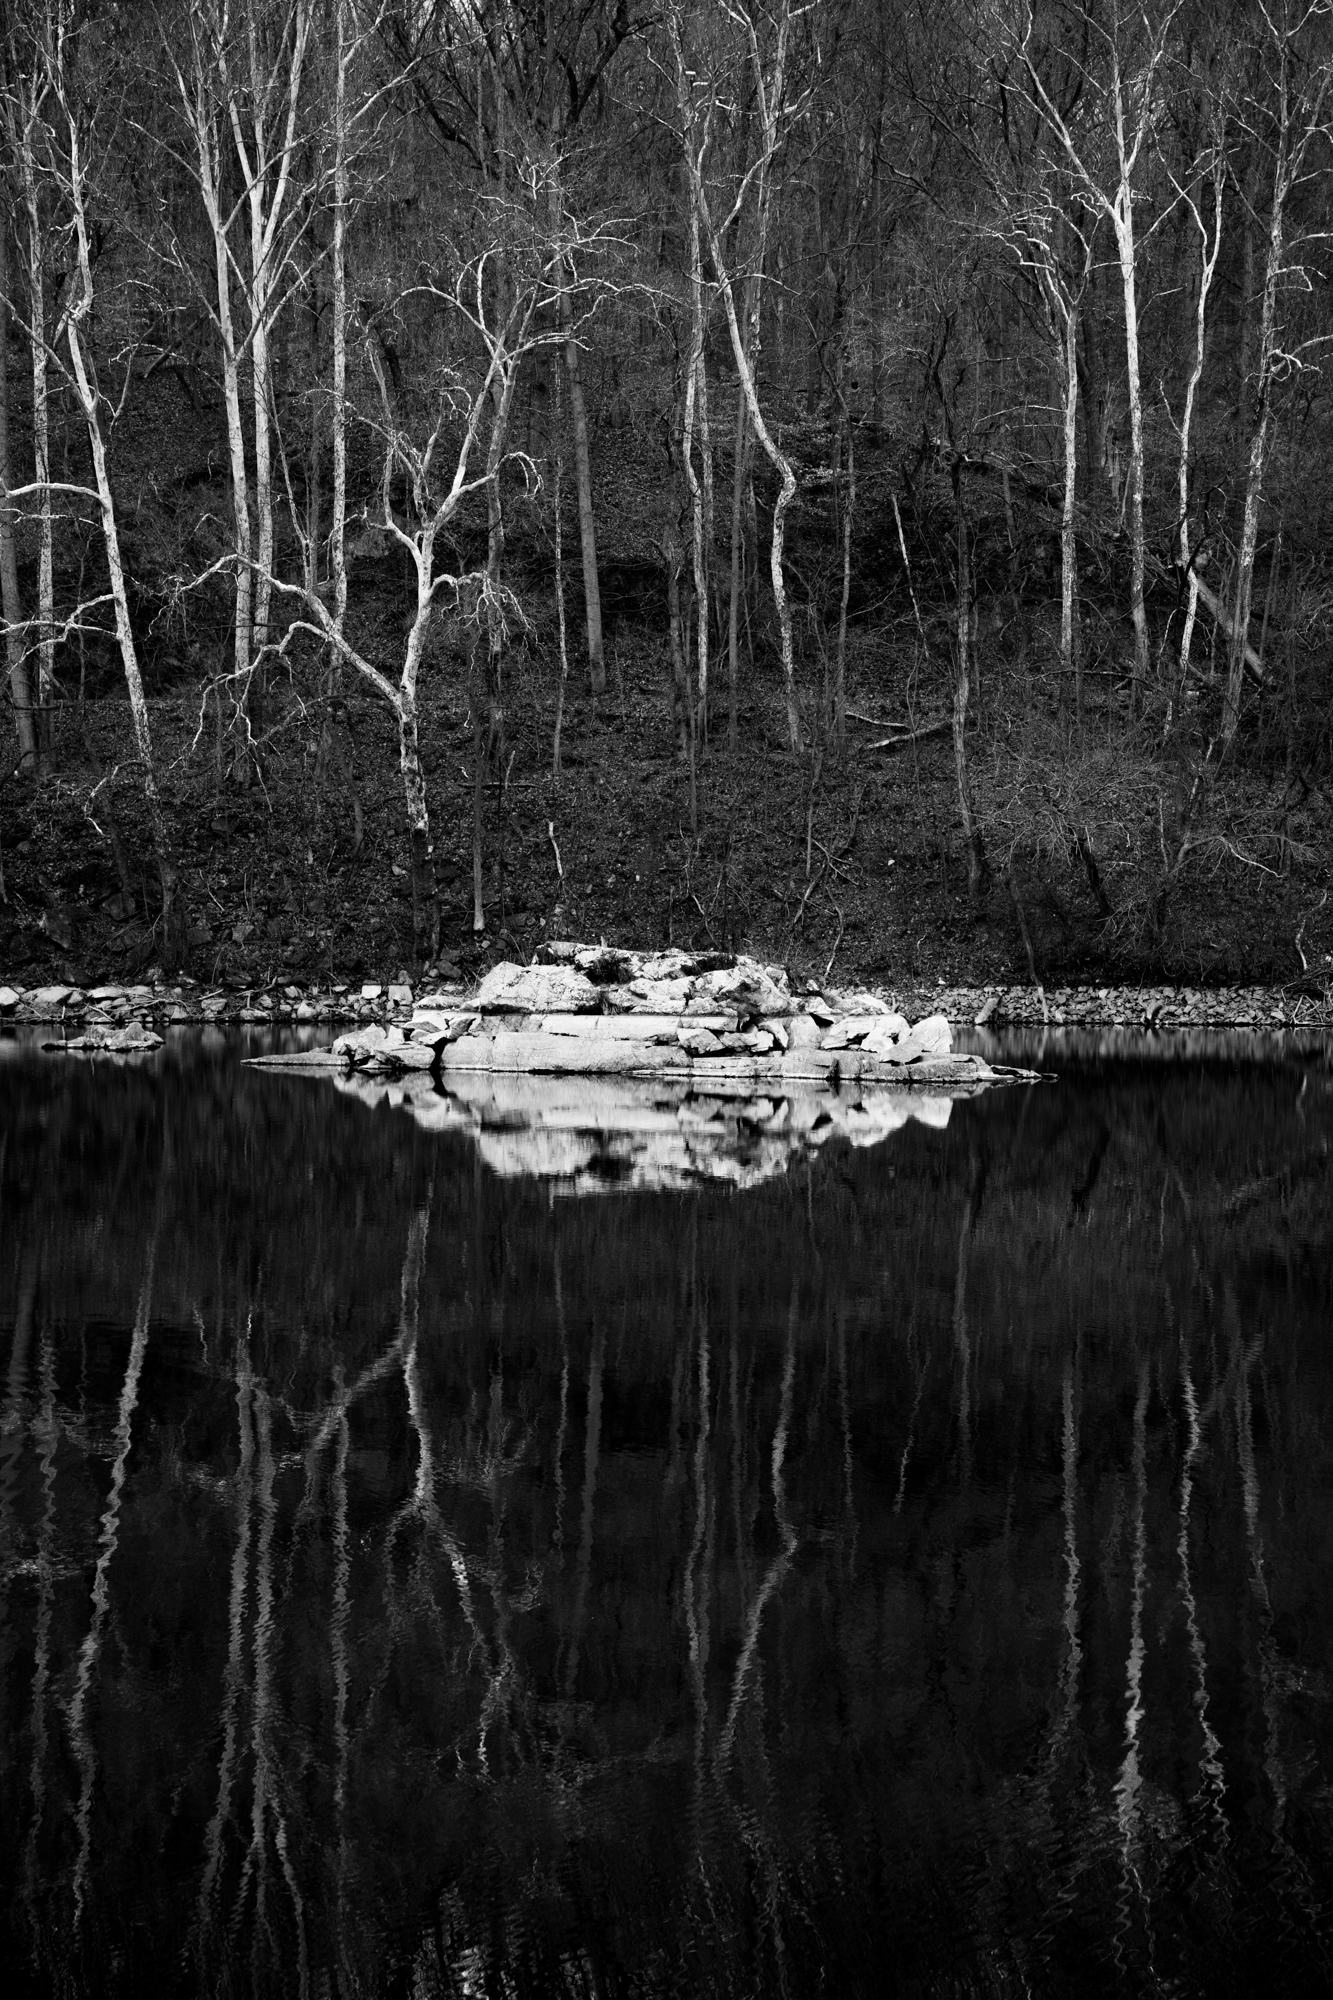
(594,1135)
(596,1011)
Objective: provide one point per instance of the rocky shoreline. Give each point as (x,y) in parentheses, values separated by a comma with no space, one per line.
(162,1004)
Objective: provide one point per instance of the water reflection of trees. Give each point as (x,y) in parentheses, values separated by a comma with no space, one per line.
(410,1582)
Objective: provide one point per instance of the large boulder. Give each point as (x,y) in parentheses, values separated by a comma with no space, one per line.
(891,1040)
(649,996)
(851,1031)
(537,989)
(751,989)
(933,1035)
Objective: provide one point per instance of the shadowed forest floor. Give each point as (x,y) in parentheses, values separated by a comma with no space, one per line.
(808,861)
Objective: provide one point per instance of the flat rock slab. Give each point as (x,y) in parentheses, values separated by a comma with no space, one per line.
(618,1027)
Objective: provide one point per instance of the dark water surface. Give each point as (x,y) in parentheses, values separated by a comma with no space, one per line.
(909,1572)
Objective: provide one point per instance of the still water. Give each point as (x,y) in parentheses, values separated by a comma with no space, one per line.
(443,1552)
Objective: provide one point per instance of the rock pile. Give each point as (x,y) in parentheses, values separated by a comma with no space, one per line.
(591,1010)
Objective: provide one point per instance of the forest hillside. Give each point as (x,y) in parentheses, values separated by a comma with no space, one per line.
(843,480)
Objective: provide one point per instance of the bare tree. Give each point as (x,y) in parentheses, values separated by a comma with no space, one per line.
(21,115)
(239,83)
(1124,85)
(697,108)
(468,435)
(1299,71)
(10,605)
(72,135)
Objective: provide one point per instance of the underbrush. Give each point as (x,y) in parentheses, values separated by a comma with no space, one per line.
(1122,843)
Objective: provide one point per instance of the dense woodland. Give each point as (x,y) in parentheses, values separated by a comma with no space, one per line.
(834,478)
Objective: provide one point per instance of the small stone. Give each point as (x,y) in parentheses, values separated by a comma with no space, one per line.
(699,1042)
(9,999)
(400,996)
(49,996)
(371,992)
(292,992)
(305,1012)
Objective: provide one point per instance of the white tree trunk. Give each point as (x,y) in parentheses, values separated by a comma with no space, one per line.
(202,120)
(693,373)
(10,605)
(338,526)
(786,492)
(578,421)
(1208,265)
(1258,454)
(740,466)
(769,91)
(89,400)
(1124,236)
(1069,656)
(41,447)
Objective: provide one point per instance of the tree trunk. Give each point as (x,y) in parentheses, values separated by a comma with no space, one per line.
(1258,454)
(709,542)
(338,525)
(786,494)
(425,891)
(1124,235)
(848,511)
(1070,656)
(1207,266)
(41,448)
(314,508)
(252,701)
(578,419)
(173,915)
(15,649)
(203,123)
(740,467)
(1092,376)
(693,376)
(977,868)
(680,678)
(557,484)
(1249,194)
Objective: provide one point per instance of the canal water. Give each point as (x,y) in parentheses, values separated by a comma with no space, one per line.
(503,1546)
